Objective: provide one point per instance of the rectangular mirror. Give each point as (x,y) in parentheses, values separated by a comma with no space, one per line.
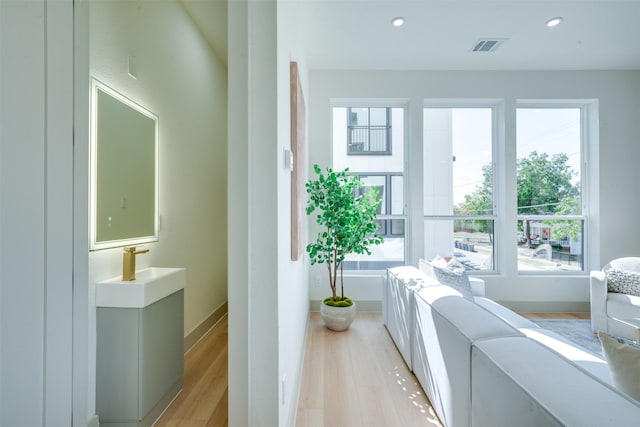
(124,170)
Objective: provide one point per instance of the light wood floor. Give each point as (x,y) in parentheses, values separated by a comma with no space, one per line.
(203,400)
(557,315)
(352,378)
(358,378)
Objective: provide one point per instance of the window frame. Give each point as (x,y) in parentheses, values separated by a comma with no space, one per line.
(388,178)
(585,180)
(497,148)
(389,103)
(388,133)
(504,161)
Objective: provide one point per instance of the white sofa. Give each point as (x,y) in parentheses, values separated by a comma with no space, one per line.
(481,364)
(399,316)
(607,308)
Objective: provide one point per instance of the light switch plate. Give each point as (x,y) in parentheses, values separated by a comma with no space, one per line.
(288,159)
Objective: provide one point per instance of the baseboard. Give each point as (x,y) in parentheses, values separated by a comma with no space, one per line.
(360,305)
(293,409)
(199,331)
(547,306)
(93,422)
(162,405)
(517,306)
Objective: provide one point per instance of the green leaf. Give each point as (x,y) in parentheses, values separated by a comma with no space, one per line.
(348,220)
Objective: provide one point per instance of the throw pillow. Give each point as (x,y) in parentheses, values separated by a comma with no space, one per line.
(427,266)
(623,359)
(453,274)
(623,281)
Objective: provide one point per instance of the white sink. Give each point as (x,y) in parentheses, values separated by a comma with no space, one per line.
(151,285)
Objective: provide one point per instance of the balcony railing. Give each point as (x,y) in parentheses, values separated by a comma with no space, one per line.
(369,140)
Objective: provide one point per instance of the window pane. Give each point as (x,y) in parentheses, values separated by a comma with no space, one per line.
(397,191)
(457,161)
(389,161)
(379,183)
(379,169)
(548,166)
(388,254)
(378,116)
(359,117)
(548,183)
(369,131)
(552,245)
(470,241)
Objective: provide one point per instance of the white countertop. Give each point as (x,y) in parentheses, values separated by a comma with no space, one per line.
(151,285)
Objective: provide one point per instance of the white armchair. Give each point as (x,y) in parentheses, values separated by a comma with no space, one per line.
(608,308)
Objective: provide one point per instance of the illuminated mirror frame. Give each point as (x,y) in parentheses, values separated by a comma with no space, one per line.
(96,86)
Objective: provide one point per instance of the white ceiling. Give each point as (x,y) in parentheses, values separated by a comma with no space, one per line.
(439,34)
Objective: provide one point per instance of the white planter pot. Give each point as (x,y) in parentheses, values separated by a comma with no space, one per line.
(337,318)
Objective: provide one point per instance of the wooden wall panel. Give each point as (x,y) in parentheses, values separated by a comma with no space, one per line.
(298,172)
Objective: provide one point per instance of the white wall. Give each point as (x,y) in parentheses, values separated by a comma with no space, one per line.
(182,81)
(253,198)
(293,292)
(616,174)
(238,209)
(36,211)
(268,297)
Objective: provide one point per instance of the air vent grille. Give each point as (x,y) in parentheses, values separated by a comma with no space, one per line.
(487,45)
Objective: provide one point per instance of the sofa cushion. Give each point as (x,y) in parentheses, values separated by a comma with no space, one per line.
(446,327)
(623,281)
(632,301)
(624,363)
(453,274)
(504,313)
(412,277)
(398,305)
(426,266)
(621,306)
(625,263)
(590,362)
(477,286)
(519,382)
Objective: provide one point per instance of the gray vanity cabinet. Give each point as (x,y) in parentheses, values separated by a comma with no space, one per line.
(140,361)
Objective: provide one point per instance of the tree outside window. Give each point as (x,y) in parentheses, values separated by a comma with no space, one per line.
(549,204)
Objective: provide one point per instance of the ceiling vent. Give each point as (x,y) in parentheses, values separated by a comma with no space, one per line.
(487,45)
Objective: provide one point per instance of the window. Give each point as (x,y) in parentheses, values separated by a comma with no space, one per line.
(373,129)
(497,201)
(369,131)
(390,189)
(458,183)
(550,224)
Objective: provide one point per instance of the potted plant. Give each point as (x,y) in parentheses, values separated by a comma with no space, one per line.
(347,221)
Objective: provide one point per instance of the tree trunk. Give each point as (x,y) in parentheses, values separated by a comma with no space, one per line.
(332,283)
(342,280)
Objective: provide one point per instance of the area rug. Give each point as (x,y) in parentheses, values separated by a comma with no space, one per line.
(576,330)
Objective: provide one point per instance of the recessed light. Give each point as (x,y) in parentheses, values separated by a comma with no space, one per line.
(398,21)
(554,21)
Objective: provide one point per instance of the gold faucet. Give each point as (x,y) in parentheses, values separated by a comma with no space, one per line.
(129,263)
